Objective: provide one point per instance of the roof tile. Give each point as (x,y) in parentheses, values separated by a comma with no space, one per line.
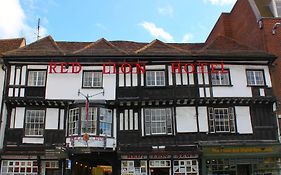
(100,47)
(157,47)
(43,47)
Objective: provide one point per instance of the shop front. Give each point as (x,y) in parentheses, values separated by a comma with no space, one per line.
(243,160)
(181,163)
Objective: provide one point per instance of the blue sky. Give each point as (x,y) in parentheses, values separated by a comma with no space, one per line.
(89,20)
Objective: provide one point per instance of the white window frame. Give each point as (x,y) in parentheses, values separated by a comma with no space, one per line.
(34,122)
(10,167)
(221,120)
(155,117)
(253,79)
(152,78)
(73,121)
(98,116)
(128,167)
(92,120)
(220,78)
(95,79)
(105,122)
(186,167)
(37,78)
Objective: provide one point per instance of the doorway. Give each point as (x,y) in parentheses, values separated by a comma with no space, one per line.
(159,171)
(244,169)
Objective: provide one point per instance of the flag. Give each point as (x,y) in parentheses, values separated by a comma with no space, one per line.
(87,112)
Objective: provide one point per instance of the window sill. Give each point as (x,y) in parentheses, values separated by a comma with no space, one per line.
(258,86)
(222,85)
(155,87)
(92,87)
(157,135)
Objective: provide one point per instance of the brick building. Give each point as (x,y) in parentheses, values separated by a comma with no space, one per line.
(255,23)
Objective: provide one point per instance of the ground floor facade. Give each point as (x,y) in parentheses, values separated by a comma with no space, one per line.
(205,160)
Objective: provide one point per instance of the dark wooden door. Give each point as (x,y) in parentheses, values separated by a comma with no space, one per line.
(244,169)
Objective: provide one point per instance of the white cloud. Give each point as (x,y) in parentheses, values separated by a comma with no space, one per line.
(187,38)
(221,2)
(101,26)
(14,21)
(157,32)
(166,11)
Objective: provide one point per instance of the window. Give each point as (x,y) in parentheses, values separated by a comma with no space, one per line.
(92,79)
(97,118)
(14,167)
(158,121)
(50,168)
(105,121)
(34,122)
(219,78)
(36,78)
(221,120)
(73,121)
(89,126)
(155,78)
(133,167)
(186,167)
(255,77)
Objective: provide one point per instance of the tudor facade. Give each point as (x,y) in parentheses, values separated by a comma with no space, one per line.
(161,120)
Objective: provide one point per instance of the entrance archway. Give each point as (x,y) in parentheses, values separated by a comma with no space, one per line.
(92,164)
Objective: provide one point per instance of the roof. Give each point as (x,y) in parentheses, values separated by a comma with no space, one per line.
(43,47)
(223,45)
(157,47)
(100,47)
(11,44)
(47,47)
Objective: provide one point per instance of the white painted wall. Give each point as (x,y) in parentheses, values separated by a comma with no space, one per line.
(52,118)
(33,140)
(153,67)
(3,126)
(19,119)
(65,86)
(239,82)
(243,120)
(186,119)
(61,119)
(203,119)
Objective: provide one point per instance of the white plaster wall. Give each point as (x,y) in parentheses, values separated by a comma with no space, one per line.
(19,120)
(186,119)
(203,119)
(243,120)
(65,86)
(52,118)
(37,67)
(61,118)
(3,126)
(33,140)
(153,67)
(239,81)
(114,120)
(12,75)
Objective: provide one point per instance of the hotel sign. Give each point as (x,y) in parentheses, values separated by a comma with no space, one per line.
(136,68)
(220,150)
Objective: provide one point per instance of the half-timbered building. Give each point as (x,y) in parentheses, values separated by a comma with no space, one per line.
(121,107)
(5,46)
